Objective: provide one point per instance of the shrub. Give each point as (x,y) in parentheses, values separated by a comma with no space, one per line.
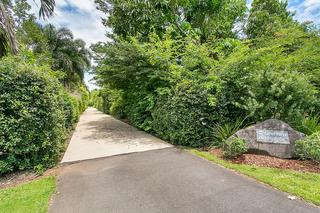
(308,125)
(270,81)
(117,107)
(222,132)
(84,99)
(309,148)
(32,125)
(108,99)
(183,115)
(235,147)
(138,108)
(71,110)
(95,99)
(179,87)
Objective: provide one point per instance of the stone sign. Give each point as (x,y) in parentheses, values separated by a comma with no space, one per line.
(272,137)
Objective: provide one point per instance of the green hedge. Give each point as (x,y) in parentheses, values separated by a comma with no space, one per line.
(71,109)
(35,114)
(184,116)
(83,102)
(309,147)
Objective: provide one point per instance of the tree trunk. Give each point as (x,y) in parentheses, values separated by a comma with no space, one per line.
(8,40)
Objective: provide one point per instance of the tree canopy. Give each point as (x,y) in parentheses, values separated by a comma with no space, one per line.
(8,41)
(182,68)
(266,17)
(206,17)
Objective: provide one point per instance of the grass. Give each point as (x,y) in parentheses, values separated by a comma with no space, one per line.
(30,197)
(301,184)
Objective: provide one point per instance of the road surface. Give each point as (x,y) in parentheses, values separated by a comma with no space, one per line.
(161,180)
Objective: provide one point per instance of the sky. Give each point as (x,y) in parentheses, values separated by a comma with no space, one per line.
(82,17)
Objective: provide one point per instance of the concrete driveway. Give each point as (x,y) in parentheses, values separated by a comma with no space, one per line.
(153,177)
(99,135)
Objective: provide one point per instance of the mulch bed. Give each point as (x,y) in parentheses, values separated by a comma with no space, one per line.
(16,178)
(273,162)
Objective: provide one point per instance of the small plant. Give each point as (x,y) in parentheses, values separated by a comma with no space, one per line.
(235,147)
(310,124)
(309,148)
(222,132)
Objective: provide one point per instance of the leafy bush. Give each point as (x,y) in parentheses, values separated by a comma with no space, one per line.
(309,147)
(32,124)
(183,115)
(84,98)
(95,99)
(117,107)
(235,147)
(71,110)
(137,106)
(308,124)
(262,83)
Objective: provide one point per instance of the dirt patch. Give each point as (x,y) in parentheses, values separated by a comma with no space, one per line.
(272,162)
(17,178)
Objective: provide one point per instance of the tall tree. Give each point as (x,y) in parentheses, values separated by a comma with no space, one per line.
(205,17)
(7,33)
(266,17)
(8,41)
(215,17)
(69,55)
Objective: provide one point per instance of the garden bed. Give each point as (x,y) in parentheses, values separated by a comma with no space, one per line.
(272,162)
(21,177)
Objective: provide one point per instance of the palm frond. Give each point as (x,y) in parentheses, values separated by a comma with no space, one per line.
(7,31)
(46,8)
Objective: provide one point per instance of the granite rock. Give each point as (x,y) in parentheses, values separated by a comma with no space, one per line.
(271,137)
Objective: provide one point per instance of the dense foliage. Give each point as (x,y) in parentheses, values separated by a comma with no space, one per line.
(42,88)
(68,54)
(265,82)
(31,116)
(186,70)
(309,147)
(36,113)
(182,115)
(204,18)
(266,17)
(8,40)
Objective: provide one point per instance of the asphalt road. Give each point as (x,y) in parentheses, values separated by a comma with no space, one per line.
(167,181)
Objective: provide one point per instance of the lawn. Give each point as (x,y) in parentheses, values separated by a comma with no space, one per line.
(30,197)
(301,184)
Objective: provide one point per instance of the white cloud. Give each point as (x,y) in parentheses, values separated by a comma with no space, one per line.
(82,18)
(306,10)
(84,21)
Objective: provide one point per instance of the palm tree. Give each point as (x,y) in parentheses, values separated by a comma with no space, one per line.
(69,55)
(7,34)
(8,41)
